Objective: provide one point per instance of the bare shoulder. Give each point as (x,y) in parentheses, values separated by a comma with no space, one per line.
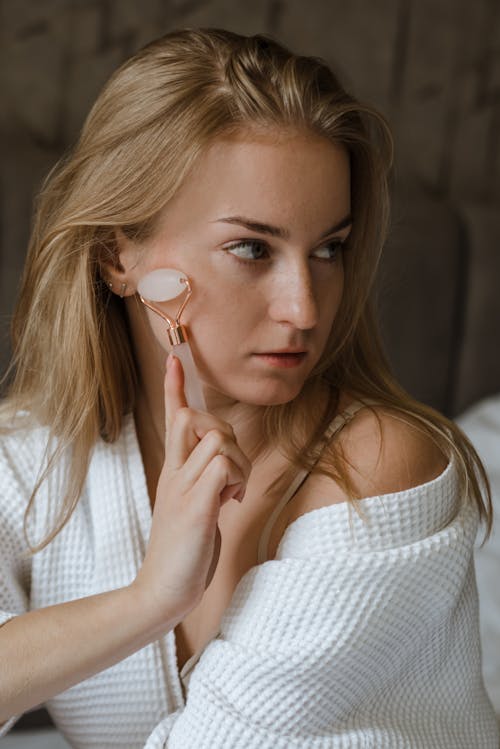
(383,454)
(387,454)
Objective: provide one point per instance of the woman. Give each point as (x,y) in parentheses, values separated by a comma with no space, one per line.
(254,173)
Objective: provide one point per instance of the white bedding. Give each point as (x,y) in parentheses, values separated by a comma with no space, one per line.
(481,423)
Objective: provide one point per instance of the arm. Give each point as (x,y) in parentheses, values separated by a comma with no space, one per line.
(45,651)
(48,650)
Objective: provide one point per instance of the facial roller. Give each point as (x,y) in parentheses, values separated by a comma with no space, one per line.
(160,286)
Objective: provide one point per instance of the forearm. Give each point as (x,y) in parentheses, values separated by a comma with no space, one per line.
(49,650)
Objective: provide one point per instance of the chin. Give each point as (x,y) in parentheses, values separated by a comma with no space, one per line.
(271,396)
(254,391)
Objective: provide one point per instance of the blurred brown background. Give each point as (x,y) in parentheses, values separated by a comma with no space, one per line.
(431,66)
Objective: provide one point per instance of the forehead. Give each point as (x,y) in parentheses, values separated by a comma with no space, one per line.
(269,170)
(273,151)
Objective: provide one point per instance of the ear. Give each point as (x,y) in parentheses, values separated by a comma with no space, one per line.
(117,260)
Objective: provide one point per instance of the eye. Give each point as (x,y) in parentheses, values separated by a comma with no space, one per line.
(251,247)
(334,247)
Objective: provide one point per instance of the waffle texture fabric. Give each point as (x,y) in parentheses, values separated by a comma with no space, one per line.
(100,549)
(352,637)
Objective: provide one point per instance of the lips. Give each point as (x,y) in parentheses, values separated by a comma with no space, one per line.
(283,352)
(282,360)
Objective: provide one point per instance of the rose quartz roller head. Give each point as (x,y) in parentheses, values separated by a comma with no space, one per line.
(160,286)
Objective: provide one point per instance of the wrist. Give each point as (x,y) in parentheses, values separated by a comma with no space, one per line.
(158,616)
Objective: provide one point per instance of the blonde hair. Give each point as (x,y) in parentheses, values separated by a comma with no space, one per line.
(73,367)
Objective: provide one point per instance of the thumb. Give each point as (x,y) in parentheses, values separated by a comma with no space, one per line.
(175,397)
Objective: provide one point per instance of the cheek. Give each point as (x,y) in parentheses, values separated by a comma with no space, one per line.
(221,318)
(332,296)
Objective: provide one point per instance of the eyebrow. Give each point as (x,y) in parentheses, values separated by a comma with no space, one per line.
(278,231)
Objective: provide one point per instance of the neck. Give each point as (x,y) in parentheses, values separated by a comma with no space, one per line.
(246,420)
(150,427)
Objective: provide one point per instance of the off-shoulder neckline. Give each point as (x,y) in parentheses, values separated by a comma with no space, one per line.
(367,504)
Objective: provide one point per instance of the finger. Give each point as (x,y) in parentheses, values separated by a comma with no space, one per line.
(233,491)
(209,493)
(217,447)
(188,428)
(175,396)
(217,444)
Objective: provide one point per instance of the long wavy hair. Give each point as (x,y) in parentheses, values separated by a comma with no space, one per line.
(73,367)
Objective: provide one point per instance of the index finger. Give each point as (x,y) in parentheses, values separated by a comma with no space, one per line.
(175,396)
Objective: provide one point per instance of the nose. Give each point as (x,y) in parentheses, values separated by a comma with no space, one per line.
(293,299)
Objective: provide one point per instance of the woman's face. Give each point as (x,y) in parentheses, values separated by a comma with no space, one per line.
(257,227)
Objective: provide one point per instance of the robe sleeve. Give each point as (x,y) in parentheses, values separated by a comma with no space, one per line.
(329,639)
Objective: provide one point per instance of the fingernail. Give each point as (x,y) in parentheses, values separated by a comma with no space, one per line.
(169,362)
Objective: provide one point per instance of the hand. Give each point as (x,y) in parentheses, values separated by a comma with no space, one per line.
(204,467)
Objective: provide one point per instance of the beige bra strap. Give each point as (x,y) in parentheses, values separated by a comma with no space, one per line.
(333,429)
